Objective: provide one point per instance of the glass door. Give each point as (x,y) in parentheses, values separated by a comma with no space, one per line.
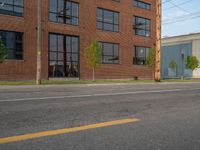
(63,56)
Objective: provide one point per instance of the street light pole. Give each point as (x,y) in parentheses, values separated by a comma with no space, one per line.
(158,40)
(39,42)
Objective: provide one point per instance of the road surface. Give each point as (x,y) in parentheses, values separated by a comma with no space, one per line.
(151,116)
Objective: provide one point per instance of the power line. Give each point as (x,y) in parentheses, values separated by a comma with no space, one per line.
(185,17)
(185,2)
(172,22)
(177,6)
(166,1)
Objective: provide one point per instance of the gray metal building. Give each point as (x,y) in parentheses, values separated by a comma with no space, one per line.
(175,51)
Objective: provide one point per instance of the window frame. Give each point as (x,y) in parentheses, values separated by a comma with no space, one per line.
(22,48)
(135,55)
(116,1)
(13,12)
(103,22)
(141,29)
(141,2)
(113,53)
(78,53)
(57,13)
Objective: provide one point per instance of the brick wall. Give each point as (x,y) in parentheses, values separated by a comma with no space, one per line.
(87,31)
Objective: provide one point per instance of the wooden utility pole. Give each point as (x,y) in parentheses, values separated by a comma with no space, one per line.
(158,39)
(39,42)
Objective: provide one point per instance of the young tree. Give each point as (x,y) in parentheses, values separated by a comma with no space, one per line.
(173,66)
(151,60)
(3,51)
(192,62)
(93,56)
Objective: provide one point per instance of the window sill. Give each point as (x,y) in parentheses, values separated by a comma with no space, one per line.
(67,24)
(12,16)
(110,64)
(141,36)
(11,60)
(140,66)
(139,8)
(108,31)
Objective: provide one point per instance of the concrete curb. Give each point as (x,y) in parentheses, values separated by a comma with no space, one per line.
(88,85)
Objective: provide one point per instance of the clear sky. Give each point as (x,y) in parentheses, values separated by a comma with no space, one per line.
(185,11)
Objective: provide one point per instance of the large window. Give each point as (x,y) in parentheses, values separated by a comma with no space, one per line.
(140,55)
(63,56)
(107,20)
(141,26)
(140,4)
(64,11)
(14,43)
(110,53)
(12,7)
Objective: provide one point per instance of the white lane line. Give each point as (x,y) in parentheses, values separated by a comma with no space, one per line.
(95,95)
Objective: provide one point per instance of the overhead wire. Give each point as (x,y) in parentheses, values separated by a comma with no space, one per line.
(188,16)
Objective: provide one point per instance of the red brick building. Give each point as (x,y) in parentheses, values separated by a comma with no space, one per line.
(125,29)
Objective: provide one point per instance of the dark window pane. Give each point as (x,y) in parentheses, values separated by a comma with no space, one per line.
(14,43)
(140,55)
(65,55)
(107,20)
(53,43)
(108,16)
(108,27)
(11,7)
(140,4)
(108,59)
(18,11)
(108,49)
(53,17)
(99,14)
(141,26)
(74,21)
(18,3)
(53,6)
(116,28)
(74,10)
(53,56)
(74,57)
(60,5)
(60,43)
(10,2)
(68,43)
(74,45)
(116,50)
(68,9)
(60,56)
(99,25)
(116,18)
(110,53)
(66,12)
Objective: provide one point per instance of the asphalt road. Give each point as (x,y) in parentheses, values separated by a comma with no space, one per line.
(168,114)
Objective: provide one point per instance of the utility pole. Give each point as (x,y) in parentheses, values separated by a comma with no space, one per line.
(158,39)
(39,43)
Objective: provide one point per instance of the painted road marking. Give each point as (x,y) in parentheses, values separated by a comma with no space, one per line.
(64,131)
(95,95)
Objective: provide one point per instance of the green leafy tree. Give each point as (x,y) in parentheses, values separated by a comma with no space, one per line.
(3,51)
(192,62)
(93,56)
(173,65)
(151,60)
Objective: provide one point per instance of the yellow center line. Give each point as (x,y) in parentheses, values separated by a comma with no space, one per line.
(64,131)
